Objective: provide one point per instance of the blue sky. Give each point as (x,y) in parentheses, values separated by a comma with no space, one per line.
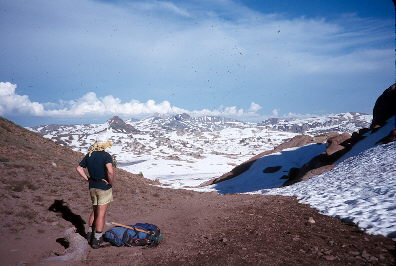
(83,60)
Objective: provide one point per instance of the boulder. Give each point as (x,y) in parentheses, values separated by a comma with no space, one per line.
(334,144)
(77,250)
(384,107)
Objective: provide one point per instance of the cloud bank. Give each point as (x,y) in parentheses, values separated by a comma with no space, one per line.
(11,102)
(92,105)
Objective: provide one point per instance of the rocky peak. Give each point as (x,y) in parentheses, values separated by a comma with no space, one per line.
(182,117)
(115,119)
(118,125)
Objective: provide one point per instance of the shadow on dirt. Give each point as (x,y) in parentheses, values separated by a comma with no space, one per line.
(59,206)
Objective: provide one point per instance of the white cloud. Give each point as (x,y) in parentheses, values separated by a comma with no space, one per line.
(173,8)
(160,6)
(92,105)
(14,103)
(254,107)
(275,112)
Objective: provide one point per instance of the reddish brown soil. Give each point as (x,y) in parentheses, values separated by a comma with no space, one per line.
(199,228)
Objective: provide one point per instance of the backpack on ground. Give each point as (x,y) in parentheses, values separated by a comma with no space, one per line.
(140,234)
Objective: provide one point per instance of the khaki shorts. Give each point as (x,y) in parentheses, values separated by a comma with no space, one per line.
(100,196)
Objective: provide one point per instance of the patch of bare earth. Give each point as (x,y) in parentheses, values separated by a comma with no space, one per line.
(199,228)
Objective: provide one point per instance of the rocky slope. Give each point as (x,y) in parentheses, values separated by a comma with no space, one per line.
(43,197)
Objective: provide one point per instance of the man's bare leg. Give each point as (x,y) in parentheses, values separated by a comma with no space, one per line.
(92,216)
(99,217)
(90,229)
(98,222)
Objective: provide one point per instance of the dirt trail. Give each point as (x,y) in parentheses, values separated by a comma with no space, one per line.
(208,229)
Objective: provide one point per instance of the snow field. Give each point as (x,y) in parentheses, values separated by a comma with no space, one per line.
(361,189)
(183,159)
(182,174)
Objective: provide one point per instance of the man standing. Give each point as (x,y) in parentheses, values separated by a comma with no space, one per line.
(101,177)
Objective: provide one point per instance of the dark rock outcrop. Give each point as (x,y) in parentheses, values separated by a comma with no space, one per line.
(118,125)
(384,107)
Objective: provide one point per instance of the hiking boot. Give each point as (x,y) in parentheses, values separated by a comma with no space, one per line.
(89,237)
(96,243)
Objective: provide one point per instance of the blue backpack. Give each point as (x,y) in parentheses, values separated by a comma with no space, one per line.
(140,234)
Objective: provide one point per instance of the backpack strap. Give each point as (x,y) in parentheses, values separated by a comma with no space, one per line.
(133,228)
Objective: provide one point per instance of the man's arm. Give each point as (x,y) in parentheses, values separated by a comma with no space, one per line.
(82,173)
(110,173)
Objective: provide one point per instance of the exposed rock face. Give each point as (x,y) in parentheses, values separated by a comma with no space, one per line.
(384,107)
(118,125)
(302,140)
(334,144)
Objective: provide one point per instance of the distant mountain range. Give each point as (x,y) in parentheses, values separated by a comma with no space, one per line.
(169,137)
(343,122)
(191,139)
(187,123)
